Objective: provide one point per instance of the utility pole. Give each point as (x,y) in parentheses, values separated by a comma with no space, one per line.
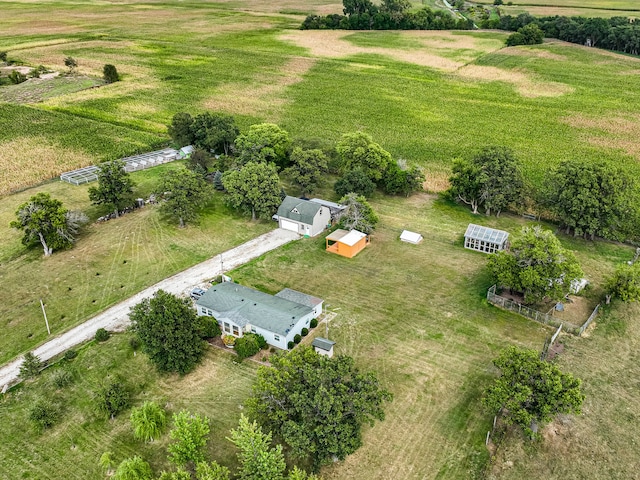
(45,317)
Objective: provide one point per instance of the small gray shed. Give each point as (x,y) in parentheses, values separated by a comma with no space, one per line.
(323,346)
(485,239)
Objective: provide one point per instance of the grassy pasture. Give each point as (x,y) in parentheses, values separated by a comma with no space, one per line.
(72,448)
(110,262)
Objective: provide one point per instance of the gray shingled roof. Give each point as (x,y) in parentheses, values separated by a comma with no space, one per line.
(487,234)
(244,305)
(323,343)
(299,297)
(299,210)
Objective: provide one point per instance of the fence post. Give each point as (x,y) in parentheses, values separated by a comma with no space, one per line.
(486,442)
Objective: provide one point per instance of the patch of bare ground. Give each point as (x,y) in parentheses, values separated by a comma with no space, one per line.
(331,44)
(620,133)
(265,95)
(525,84)
(436,179)
(531,52)
(19,156)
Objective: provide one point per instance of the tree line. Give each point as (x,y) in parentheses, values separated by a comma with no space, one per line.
(621,34)
(588,198)
(389,15)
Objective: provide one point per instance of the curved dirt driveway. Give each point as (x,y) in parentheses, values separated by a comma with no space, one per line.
(116,318)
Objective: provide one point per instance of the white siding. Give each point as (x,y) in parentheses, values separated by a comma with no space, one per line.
(289,225)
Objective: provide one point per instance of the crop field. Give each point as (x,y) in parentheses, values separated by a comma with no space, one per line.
(110,262)
(425,96)
(414,314)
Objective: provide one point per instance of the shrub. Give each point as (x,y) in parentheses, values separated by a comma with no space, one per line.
(209,327)
(133,469)
(314,323)
(112,399)
(70,63)
(61,378)
(16,77)
(70,355)
(262,343)
(110,74)
(297,338)
(31,366)
(134,343)
(102,335)
(272,350)
(148,421)
(305,332)
(43,414)
(247,346)
(229,340)
(290,345)
(3,56)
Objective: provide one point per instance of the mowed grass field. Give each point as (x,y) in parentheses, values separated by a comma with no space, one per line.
(415,314)
(110,261)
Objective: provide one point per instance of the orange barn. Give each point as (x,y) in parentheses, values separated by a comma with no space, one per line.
(346,243)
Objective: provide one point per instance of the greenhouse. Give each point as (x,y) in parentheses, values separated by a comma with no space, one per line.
(485,239)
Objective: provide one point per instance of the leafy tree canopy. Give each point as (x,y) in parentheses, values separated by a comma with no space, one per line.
(189,434)
(402,181)
(355,181)
(183,192)
(133,469)
(255,189)
(307,168)
(181,129)
(148,421)
(169,331)
(211,471)
(200,162)
(530,392)
(113,398)
(264,142)
(43,219)
(115,187)
(594,198)
(110,73)
(315,404)
(358,215)
(624,283)
(536,265)
(358,150)
(214,132)
(258,459)
(357,7)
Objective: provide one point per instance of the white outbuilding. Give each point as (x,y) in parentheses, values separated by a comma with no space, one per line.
(411,237)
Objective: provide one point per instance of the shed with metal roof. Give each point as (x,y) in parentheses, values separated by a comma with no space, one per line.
(485,239)
(323,346)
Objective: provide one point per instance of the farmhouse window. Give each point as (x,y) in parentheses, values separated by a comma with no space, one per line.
(276,338)
(253,329)
(236,331)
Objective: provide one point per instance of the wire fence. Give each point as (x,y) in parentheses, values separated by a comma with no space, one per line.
(544,318)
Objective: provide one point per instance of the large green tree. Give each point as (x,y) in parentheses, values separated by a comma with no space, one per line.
(307,169)
(530,392)
(115,187)
(358,215)
(183,192)
(354,181)
(491,179)
(255,189)
(264,142)
(537,265)
(181,129)
(189,434)
(315,404)
(624,283)
(594,198)
(214,132)
(259,460)
(358,150)
(46,221)
(169,331)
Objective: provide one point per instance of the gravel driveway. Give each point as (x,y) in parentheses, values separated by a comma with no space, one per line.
(116,318)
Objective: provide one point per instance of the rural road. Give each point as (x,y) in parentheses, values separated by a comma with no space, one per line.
(116,318)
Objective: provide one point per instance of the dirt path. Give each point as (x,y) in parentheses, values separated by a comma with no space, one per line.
(116,318)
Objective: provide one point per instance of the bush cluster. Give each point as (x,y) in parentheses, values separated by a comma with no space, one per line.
(248,345)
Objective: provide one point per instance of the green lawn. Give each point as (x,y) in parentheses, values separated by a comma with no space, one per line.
(110,262)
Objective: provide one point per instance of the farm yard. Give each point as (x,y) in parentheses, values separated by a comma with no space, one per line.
(417,315)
